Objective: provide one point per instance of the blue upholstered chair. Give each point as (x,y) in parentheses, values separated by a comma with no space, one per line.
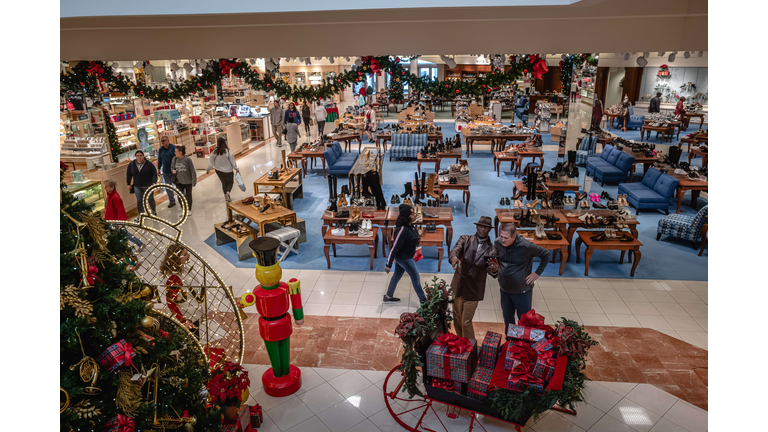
(586,150)
(684,227)
(634,121)
(521,108)
(338,161)
(654,192)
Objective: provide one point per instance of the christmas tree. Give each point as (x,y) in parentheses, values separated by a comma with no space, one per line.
(123,365)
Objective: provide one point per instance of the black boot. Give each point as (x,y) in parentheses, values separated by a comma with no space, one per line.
(408,191)
(335,188)
(423,184)
(417,191)
(330,187)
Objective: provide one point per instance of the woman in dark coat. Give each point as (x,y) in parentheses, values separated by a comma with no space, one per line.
(401,255)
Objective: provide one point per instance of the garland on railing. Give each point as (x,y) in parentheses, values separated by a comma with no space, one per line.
(91,77)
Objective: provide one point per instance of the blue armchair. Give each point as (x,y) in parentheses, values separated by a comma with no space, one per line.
(634,121)
(654,192)
(684,227)
(338,161)
(521,108)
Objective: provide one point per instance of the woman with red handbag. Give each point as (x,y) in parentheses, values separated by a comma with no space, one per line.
(402,254)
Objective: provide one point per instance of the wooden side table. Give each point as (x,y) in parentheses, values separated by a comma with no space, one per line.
(281,184)
(331,240)
(585,237)
(499,157)
(462,185)
(434,239)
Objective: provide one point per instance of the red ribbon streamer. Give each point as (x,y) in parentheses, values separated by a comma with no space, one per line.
(539,66)
(444,384)
(128,353)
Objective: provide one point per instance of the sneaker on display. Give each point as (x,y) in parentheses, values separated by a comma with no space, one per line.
(391,300)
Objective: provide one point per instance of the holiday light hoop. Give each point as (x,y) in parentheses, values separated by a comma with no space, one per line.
(216,299)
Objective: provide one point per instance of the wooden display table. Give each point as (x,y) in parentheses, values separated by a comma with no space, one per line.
(611,118)
(347,139)
(308,154)
(531,153)
(572,185)
(672,124)
(640,158)
(430,239)
(508,216)
(440,156)
(462,184)
(575,223)
(277,214)
(379,219)
(281,185)
(331,240)
(224,236)
(664,131)
(498,140)
(585,237)
(499,157)
(553,245)
(686,184)
(444,218)
(695,151)
(692,140)
(384,137)
(687,119)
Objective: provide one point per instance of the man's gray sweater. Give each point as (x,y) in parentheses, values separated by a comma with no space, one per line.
(516,263)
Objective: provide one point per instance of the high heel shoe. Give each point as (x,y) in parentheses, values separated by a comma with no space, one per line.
(533,203)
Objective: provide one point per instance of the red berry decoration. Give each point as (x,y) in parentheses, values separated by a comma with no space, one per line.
(82,84)
(142,92)
(165,90)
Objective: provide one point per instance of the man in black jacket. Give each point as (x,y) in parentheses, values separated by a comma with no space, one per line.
(655,105)
(513,271)
(468,259)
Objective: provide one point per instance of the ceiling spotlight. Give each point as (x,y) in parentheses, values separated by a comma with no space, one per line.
(174,67)
(661,53)
(645,55)
(687,55)
(671,58)
(451,63)
(701,53)
(318,58)
(188,67)
(308,61)
(332,60)
(347,59)
(626,56)
(116,65)
(358,62)
(148,69)
(641,61)
(562,57)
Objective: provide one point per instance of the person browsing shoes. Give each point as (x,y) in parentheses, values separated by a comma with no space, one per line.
(513,271)
(469,259)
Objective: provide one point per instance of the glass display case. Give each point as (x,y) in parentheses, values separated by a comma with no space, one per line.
(90,191)
(315,78)
(299,78)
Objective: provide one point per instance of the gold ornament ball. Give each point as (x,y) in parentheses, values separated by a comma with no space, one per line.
(147,322)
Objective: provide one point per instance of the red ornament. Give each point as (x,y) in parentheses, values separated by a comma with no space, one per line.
(446,86)
(198,84)
(525,70)
(483,85)
(267,84)
(457,92)
(82,84)
(165,90)
(142,92)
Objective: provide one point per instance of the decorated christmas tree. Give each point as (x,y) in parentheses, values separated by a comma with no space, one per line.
(123,366)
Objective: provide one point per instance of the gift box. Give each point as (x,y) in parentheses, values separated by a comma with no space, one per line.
(117,355)
(451,357)
(489,352)
(525,333)
(516,384)
(241,423)
(120,423)
(480,382)
(544,369)
(542,346)
(257,416)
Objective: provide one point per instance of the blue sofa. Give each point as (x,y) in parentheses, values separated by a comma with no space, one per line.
(654,192)
(521,107)
(338,161)
(612,165)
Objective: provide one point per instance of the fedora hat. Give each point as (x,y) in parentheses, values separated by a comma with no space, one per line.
(484,221)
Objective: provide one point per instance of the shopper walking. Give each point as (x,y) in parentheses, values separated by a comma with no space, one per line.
(306,114)
(164,157)
(574,91)
(655,105)
(370,123)
(469,259)
(223,161)
(320,115)
(186,176)
(292,135)
(401,254)
(140,175)
(276,119)
(114,208)
(513,271)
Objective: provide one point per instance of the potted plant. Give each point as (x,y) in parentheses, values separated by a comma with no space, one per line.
(663,70)
(228,388)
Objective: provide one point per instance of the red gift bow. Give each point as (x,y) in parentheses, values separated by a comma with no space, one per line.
(539,66)
(226,66)
(95,68)
(455,344)
(444,384)
(532,319)
(128,353)
(92,270)
(125,424)
(548,357)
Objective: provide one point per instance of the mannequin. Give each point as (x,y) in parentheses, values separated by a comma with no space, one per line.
(597,113)
(624,113)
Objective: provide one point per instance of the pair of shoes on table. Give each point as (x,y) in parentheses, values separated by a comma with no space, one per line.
(365,229)
(339,230)
(395,199)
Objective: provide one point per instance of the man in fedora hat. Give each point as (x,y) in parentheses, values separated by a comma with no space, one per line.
(468,258)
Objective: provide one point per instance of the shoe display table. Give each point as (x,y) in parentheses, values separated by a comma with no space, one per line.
(586,237)
(384,137)
(553,245)
(692,140)
(672,124)
(311,155)
(429,239)
(666,132)
(640,158)
(508,216)
(436,160)
(686,184)
(687,119)
(281,185)
(444,218)
(499,157)
(379,219)
(252,214)
(331,240)
(531,153)
(552,186)
(611,118)
(346,139)
(575,223)
(498,140)
(462,184)
(695,151)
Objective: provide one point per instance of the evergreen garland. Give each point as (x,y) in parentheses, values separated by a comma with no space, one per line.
(114,144)
(566,68)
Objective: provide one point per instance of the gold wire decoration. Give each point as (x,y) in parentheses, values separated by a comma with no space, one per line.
(89,370)
(203,297)
(128,396)
(84,409)
(65,404)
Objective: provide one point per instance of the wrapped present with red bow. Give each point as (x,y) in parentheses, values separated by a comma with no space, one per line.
(519,352)
(526,333)
(120,423)
(241,423)
(257,416)
(534,320)
(542,346)
(117,355)
(544,367)
(446,384)
(452,357)
(480,382)
(521,376)
(489,352)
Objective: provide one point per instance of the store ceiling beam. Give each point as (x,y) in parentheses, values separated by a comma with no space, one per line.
(586,26)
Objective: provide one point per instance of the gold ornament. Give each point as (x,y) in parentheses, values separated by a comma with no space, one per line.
(63,406)
(89,370)
(70,296)
(148,323)
(85,410)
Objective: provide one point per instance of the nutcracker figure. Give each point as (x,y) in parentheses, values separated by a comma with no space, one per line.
(271,300)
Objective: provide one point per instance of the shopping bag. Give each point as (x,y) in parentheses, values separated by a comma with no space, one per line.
(239,181)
